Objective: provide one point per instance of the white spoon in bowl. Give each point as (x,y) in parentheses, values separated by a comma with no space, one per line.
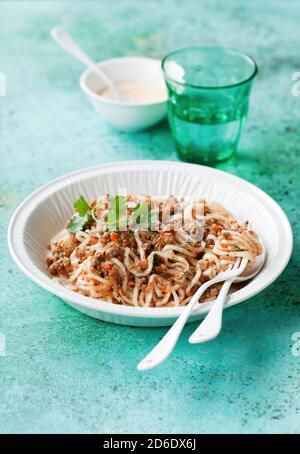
(211,326)
(64,40)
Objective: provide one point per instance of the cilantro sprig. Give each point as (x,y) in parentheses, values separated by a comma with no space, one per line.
(116,218)
(82,217)
(81,206)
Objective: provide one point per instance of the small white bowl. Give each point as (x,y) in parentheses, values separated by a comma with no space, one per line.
(126,116)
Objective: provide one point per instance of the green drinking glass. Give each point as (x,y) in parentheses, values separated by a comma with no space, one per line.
(209,90)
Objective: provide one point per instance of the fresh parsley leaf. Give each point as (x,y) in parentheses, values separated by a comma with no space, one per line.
(81,206)
(80,220)
(78,223)
(117,219)
(235,248)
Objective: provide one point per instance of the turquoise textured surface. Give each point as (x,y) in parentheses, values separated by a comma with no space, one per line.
(63,372)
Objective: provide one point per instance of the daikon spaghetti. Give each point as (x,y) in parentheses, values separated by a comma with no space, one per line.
(148,251)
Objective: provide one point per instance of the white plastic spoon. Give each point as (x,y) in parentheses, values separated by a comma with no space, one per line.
(162,350)
(211,326)
(65,41)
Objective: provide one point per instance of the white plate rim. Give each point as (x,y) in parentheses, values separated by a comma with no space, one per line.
(140,312)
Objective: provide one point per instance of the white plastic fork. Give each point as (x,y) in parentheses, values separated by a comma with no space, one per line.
(163,349)
(211,326)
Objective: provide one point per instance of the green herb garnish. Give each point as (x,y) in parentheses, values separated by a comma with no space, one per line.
(117,215)
(81,206)
(116,218)
(235,248)
(80,220)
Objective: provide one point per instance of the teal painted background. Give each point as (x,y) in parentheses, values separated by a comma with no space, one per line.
(65,372)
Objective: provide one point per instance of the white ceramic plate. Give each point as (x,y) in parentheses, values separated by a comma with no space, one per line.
(45,212)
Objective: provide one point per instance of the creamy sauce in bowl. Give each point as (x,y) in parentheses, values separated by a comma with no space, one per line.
(137,93)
